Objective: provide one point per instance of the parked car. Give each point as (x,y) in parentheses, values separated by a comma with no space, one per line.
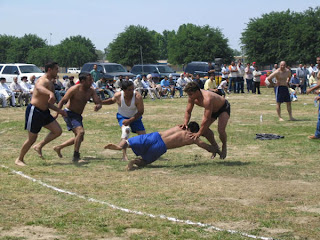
(156,70)
(109,70)
(73,70)
(195,68)
(11,70)
(263,77)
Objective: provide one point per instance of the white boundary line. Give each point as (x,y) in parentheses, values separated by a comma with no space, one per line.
(171,219)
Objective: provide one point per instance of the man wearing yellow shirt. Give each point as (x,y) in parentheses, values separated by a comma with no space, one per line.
(211,84)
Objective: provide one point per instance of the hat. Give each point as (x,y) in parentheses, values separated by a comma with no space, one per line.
(170,75)
(24,77)
(254,63)
(65,76)
(294,74)
(181,74)
(138,76)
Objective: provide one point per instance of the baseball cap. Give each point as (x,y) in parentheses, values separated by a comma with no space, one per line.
(254,63)
(138,76)
(170,75)
(65,76)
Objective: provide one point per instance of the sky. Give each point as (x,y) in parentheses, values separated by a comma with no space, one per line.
(102,20)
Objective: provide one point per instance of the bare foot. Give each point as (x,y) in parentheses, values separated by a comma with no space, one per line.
(20,163)
(58,151)
(281,120)
(223,154)
(130,166)
(293,119)
(215,151)
(112,146)
(38,150)
(125,158)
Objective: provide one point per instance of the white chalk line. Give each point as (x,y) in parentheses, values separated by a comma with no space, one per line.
(171,219)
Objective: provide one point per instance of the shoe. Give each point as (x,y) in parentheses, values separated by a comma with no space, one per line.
(313,137)
(76,157)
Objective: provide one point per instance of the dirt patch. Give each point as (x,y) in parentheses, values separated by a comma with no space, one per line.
(238,226)
(311,209)
(32,233)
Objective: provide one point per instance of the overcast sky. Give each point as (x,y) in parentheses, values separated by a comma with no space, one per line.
(102,20)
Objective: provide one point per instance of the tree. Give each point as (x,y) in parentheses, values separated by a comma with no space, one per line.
(290,36)
(126,48)
(75,51)
(162,42)
(6,43)
(41,56)
(196,43)
(20,48)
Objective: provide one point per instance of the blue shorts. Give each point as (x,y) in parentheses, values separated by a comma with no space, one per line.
(135,126)
(73,120)
(36,118)
(282,94)
(149,146)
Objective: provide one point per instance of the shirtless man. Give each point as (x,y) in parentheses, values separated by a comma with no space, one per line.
(151,146)
(215,107)
(38,113)
(130,111)
(76,98)
(282,76)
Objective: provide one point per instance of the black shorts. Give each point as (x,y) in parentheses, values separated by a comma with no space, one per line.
(224,108)
(36,118)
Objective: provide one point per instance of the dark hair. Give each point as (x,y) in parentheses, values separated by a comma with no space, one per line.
(194,127)
(2,78)
(126,84)
(83,76)
(191,87)
(49,65)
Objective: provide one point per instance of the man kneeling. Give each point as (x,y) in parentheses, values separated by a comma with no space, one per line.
(152,145)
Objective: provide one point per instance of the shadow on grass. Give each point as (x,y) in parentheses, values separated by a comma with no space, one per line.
(233,163)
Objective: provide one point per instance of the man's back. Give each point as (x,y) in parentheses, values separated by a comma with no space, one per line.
(176,137)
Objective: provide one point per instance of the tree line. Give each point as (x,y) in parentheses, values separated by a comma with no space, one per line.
(276,36)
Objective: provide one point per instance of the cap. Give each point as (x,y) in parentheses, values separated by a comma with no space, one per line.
(294,74)
(181,74)
(65,76)
(24,77)
(254,63)
(170,75)
(138,76)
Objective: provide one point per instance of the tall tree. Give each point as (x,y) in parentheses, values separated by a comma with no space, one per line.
(290,36)
(6,43)
(127,47)
(75,51)
(40,56)
(19,50)
(198,43)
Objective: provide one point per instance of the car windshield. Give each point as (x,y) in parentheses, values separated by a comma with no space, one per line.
(200,68)
(165,69)
(30,69)
(114,68)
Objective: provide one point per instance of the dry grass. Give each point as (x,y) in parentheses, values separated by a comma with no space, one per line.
(265,188)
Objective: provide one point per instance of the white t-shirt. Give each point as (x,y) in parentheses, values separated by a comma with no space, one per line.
(226,70)
(223,84)
(233,74)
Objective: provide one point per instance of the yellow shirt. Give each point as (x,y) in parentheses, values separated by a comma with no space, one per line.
(210,84)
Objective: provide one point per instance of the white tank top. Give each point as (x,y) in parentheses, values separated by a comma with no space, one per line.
(128,111)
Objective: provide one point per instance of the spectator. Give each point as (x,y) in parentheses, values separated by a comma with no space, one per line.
(188,77)
(181,83)
(294,82)
(225,72)
(302,73)
(32,81)
(240,80)
(103,85)
(118,83)
(6,93)
(26,87)
(172,84)
(256,80)
(223,87)
(165,85)
(70,83)
(211,69)
(211,84)
(57,89)
(138,85)
(152,86)
(94,73)
(18,91)
(199,81)
(249,77)
(312,79)
(232,77)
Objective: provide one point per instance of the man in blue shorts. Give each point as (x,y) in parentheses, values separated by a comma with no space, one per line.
(152,145)
(282,75)
(38,113)
(130,111)
(76,99)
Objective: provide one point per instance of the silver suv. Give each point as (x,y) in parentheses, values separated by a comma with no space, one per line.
(11,70)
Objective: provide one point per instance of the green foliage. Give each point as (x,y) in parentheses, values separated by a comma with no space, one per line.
(6,43)
(196,43)
(290,36)
(75,51)
(125,49)
(162,42)
(40,56)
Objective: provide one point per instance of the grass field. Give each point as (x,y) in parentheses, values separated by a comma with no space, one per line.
(264,188)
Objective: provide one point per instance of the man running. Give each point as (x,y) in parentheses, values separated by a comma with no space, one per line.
(38,113)
(76,98)
(282,76)
(130,111)
(152,145)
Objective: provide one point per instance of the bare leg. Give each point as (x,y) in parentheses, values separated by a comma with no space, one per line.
(290,111)
(222,124)
(209,135)
(279,111)
(123,144)
(63,145)
(55,131)
(32,137)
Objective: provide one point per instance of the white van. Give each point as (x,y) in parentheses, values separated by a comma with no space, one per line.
(73,70)
(11,70)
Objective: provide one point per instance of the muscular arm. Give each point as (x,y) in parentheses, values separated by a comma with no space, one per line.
(40,86)
(96,100)
(272,75)
(67,96)
(187,114)
(112,100)
(206,121)
(140,108)
(313,88)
